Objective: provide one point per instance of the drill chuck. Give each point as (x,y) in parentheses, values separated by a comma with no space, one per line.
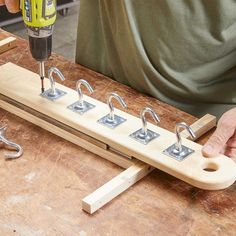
(40,41)
(40,48)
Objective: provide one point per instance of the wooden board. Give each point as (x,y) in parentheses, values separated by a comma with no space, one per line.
(136,169)
(22,85)
(7,44)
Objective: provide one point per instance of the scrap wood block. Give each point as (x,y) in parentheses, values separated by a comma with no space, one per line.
(116,186)
(7,44)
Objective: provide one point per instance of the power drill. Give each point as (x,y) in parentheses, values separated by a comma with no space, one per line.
(39,17)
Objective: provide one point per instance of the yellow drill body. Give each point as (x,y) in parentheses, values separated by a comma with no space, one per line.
(39,13)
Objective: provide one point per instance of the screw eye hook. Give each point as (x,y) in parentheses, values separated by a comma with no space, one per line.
(178,145)
(80,93)
(111,106)
(51,71)
(19,150)
(144,121)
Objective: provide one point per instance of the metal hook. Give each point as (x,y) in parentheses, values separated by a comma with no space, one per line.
(11,144)
(145,135)
(144,121)
(111,120)
(177,150)
(111,106)
(53,93)
(78,88)
(178,145)
(81,106)
(52,70)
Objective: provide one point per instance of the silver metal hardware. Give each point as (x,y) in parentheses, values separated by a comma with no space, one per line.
(11,144)
(82,106)
(177,150)
(42,69)
(111,120)
(145,135)
(53,93)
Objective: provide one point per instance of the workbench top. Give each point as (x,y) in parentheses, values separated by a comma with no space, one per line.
(41,192)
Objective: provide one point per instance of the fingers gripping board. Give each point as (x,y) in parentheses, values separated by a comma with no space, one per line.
(21,85)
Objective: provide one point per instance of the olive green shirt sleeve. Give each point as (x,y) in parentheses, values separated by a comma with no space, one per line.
(182,52)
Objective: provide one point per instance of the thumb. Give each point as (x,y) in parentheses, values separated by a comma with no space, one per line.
(218,140)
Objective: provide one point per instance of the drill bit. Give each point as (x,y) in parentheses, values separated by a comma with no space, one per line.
(42,74)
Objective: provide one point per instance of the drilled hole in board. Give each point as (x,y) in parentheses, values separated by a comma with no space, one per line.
(210,167)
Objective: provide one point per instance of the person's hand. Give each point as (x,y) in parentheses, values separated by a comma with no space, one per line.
(13,6)
(223,139)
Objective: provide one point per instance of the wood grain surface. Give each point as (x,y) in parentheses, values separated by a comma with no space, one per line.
(41,192)
(20,85)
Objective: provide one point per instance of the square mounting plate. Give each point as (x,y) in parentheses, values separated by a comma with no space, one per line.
(81,110)
(47,94)
(179,156)
(144,139)
(111,124)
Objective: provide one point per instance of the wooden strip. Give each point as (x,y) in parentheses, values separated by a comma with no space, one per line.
(203,125)
(134,173)
(7,44)
(22,86)
(117,159)
(114,187)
